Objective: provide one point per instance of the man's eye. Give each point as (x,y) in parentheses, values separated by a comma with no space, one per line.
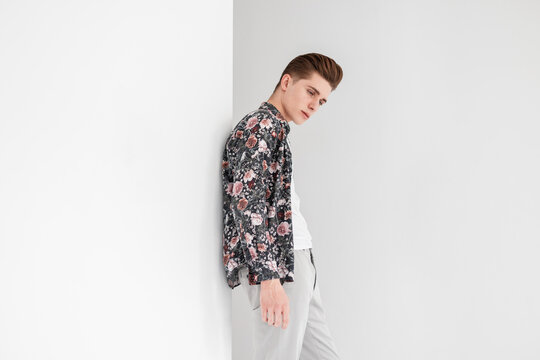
(311,92)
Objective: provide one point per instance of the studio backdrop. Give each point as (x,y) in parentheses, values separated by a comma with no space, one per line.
(423,201)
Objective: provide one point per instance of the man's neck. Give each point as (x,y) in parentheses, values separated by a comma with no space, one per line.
(274,100)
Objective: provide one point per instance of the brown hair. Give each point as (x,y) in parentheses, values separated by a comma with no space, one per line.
(302,66)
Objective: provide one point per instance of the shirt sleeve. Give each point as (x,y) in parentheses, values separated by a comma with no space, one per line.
(252,181)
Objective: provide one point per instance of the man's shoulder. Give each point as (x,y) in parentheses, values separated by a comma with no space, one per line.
(262,117)
(260,124)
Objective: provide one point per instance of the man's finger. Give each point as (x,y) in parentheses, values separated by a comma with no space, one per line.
(271,317)
(278,317)
(285,317)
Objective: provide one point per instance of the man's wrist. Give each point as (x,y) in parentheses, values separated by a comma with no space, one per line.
(270,283)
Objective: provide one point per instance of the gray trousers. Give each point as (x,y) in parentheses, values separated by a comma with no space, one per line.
(307,336)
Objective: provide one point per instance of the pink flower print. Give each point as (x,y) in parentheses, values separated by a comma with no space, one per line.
(261,247)
(256,219)
(252,122)
(224,164)
(229,188)
(251,141)
(266,123)
(271,212)
(273,167)
(272,265)
(281,202)
(239,134)
(252,252)
(237,188)
(242,204)
(249,175)
(234,241)
(262,146)
(283,229)
(265,165)
(248,237)
(288,214)
(231,264)
(282,270)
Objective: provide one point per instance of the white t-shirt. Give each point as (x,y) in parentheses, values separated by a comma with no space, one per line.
(301,235)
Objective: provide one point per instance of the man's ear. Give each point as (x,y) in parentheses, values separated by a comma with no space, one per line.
(286,80)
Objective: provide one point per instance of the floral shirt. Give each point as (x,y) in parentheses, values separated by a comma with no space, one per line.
(257,217)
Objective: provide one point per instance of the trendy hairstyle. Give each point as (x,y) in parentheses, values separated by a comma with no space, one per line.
(303,66)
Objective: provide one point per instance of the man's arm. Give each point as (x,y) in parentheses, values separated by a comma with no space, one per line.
(255,148)
(249,191)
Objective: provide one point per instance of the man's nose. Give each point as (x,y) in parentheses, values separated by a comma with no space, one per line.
(314,105)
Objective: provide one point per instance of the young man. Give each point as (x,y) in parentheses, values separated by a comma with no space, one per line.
(266,244)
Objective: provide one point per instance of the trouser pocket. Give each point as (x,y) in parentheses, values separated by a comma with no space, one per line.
(314,267)
(311,256)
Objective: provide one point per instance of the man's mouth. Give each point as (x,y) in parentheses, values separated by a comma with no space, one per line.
(305,115)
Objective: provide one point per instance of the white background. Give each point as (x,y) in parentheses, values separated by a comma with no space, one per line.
(419,177)
(113,116)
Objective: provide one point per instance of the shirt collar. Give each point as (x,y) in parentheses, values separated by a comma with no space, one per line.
(268,106)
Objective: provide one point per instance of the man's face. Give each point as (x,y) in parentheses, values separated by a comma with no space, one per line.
(303,97)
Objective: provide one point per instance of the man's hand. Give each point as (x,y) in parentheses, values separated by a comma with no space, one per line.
(275,301)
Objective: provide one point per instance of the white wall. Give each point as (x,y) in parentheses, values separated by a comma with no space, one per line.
(423,200)
(112,123)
